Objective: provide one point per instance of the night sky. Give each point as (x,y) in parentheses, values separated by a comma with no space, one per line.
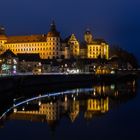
(117,21)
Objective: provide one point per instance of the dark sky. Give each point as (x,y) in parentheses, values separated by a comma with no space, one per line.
(117,21)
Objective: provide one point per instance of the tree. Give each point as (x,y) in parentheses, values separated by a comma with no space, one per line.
(124,55)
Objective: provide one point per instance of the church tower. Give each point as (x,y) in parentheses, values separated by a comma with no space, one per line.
(88,36)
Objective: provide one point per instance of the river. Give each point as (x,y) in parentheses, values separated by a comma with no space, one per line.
(94,111)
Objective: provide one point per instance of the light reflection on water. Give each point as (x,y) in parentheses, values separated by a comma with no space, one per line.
(77,105)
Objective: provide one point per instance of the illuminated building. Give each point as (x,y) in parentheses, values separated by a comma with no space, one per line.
(74,46)
(70,47)
(47,45)
(96,48)
(51,46)
(104,70)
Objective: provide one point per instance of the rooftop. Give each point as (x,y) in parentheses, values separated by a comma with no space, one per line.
(26,38)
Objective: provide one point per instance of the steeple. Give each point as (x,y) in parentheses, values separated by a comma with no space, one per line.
(53,32)
(53,27)
(2,30)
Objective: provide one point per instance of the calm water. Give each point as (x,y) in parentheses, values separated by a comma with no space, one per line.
(101,111)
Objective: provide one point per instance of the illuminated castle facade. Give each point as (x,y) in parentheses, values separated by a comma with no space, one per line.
(96,47)
(51,46)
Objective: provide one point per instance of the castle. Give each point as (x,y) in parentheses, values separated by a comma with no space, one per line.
(52,46)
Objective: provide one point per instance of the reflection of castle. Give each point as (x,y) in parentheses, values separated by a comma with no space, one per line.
(96,106)
(92,103)
(51,112)
(44,112)
(104,89)
(74,110)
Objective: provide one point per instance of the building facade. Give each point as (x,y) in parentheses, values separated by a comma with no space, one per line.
(46,45)
(96,48)
(51,46)
(74,46)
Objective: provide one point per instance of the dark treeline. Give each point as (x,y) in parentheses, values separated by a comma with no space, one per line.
(124,55)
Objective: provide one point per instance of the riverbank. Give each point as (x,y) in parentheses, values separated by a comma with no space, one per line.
(24,81)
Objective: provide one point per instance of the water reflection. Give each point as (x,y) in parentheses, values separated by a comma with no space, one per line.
(87,103)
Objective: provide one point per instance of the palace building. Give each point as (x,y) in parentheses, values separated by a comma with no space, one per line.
(46,45)
(51,45)
(95,47)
